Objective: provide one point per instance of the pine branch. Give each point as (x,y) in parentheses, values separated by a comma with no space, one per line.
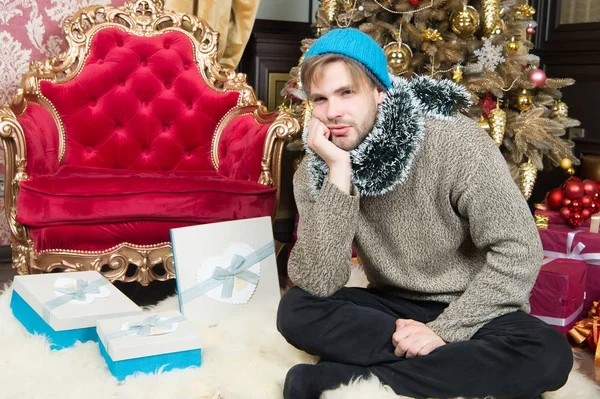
(559,83)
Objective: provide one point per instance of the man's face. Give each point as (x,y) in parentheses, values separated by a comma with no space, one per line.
(348,110)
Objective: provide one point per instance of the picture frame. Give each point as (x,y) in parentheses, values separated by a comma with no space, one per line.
(276,83)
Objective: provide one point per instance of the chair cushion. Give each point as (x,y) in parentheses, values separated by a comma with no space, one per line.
(101,237)
(81,195)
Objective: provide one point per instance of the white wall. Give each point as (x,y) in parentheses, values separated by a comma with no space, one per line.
(314,9)
(286,10)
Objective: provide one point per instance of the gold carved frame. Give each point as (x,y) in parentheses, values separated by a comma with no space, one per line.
(143,18)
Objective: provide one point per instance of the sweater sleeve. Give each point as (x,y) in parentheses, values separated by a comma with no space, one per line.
(319,262)
(501,227)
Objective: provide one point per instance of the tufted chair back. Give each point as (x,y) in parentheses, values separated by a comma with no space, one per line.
(139,103)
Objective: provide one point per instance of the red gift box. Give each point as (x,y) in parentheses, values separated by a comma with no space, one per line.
(562,242)
(558,293)
(554,218)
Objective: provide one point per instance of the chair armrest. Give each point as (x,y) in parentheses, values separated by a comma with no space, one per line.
(41,140)
(41,137)
(240,145)
(250,143)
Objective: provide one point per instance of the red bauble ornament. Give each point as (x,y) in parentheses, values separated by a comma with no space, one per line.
(586,213)
(594,208)
(530,30)
(571,179)
(554,199)
(566,202)
(573,189)
(575,219)
(590,187)
(586,201)
(565,213)
(414,2)
(575,205)
(537,77)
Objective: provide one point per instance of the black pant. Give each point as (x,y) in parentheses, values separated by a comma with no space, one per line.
(512,356)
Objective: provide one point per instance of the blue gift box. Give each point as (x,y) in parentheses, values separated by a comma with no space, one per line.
(66,306)
(149,343)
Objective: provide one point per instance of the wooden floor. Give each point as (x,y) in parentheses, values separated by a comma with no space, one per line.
(584,358)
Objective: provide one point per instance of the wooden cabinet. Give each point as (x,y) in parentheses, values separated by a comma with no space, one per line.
(273,49)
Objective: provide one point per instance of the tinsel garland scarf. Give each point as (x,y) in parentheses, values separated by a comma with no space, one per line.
(383,159)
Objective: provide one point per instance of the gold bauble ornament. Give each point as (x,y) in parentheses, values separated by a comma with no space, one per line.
(499,27)
(432,35)
(457,74)
(570,171)
(465,22)
(512,46)
(398,56)
(566,163)
(527,176)
(331,9)
(484,124)
(497,118)
(524,101)
(560,110)
(491,15)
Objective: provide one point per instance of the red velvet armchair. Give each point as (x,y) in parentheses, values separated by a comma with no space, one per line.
(134,130)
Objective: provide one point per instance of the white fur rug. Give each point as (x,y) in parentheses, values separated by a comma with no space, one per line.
(242,359)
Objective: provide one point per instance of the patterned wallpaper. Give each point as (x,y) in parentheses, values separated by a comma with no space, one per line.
(30,30)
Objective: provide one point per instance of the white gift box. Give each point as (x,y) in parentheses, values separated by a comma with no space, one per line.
(148,343)
(226,268)
(66,306)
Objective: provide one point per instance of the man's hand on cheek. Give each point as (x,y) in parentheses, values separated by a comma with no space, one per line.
(413,338)
(318,141)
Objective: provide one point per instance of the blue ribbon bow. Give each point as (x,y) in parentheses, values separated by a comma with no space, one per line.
(145,327)
(238,268)
(83,288)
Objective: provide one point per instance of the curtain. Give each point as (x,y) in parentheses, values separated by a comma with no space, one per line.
(233,19)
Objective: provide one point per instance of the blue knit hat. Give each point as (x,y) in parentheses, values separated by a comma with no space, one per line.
(357,45)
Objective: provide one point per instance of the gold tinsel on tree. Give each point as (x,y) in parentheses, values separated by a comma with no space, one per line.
(483,45)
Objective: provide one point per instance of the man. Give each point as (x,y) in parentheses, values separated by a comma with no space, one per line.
(446,239)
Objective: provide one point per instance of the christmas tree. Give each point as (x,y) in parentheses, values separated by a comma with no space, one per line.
(482,44)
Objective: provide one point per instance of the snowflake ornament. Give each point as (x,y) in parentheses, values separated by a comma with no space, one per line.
(489,55)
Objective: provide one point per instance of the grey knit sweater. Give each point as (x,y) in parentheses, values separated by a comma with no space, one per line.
(455,228)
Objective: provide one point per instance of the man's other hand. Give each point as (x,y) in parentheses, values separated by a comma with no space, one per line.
(413,338)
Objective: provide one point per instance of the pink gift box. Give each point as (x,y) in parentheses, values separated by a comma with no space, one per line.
(557,296)
(554,218)
(562,242)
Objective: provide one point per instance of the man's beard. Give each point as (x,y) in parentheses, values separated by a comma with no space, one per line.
(362,131)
